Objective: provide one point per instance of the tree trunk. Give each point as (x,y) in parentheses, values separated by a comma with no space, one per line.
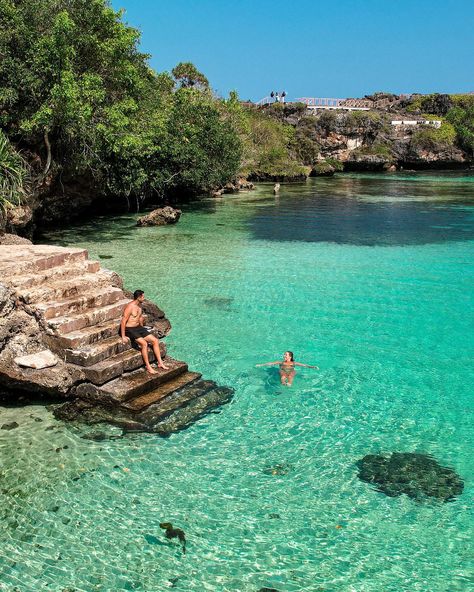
(48,154)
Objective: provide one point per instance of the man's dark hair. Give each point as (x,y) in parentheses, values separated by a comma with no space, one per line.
(137,294)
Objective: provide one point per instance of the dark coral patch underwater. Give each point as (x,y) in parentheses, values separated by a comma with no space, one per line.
(417,475)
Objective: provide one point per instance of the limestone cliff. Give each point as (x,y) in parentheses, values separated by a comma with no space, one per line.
(374,140)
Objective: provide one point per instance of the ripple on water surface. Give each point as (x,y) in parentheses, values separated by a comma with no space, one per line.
(267,490)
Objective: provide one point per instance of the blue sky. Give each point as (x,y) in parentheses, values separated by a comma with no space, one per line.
(338,48)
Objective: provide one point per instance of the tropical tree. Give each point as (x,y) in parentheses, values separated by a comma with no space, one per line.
(188,76)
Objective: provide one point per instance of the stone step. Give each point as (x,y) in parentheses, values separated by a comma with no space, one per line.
(111,368)
(130,385)
(25,259)
(158,394)
(94,353)
(88,318)
(71,306)
(90,354)
(175,411)
(156,412)
(66,288)
(88,335)
(183,417)
(29,280)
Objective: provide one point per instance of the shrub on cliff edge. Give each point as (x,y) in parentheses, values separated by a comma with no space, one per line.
(430,138)
(14,175)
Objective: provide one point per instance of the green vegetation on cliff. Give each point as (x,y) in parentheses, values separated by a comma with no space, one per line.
(430,138)
(457,112)
(461,116)
(270,147)
(79,96)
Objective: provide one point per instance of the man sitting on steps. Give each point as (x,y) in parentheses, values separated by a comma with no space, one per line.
(131,328)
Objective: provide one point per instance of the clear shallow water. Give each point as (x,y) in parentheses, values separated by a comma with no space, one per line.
(384,308)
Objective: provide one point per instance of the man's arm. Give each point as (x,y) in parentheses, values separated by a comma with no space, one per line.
(125,317)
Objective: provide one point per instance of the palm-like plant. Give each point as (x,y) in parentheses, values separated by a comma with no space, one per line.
(14,175)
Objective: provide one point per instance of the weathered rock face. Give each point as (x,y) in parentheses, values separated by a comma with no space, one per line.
(160,217)
(417,475)
(368,141)
(367,162)
(13,239)
(52,300)
(20,217)
(21,334)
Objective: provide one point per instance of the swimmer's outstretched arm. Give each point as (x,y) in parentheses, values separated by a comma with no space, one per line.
(269,364)
(306,365)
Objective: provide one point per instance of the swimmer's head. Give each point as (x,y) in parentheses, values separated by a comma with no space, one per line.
(288,356)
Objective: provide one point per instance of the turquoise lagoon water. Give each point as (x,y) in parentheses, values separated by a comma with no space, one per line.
(368,276)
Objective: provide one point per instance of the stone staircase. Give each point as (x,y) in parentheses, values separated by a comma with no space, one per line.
(79,306)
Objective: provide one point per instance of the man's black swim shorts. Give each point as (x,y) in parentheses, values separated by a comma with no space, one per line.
(135,333)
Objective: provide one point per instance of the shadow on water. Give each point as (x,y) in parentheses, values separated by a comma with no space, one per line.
(369,211)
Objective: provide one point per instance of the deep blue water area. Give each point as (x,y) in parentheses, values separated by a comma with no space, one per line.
(417,210)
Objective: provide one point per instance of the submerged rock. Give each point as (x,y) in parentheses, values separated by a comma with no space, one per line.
(219,302)
(9,426)
(160,217)
(278,469)
(416,475)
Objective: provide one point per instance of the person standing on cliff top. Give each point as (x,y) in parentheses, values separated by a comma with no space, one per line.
(132,329)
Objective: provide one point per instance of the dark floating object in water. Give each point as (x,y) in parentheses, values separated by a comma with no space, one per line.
(268,590)
(279,469)
(10,426)
(274,516)
(106,256)
(174,533)
(417,475)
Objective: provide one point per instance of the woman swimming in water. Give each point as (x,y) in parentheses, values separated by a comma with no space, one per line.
(287,367)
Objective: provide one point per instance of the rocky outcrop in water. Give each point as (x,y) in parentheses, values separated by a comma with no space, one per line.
(418,476)
(59,320)
(240,184)
(160,217)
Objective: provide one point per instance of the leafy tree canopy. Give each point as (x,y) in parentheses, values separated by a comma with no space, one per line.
(188,76)
(76,90)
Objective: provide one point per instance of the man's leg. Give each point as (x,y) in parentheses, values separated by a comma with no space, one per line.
(153,341)
(144,350)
